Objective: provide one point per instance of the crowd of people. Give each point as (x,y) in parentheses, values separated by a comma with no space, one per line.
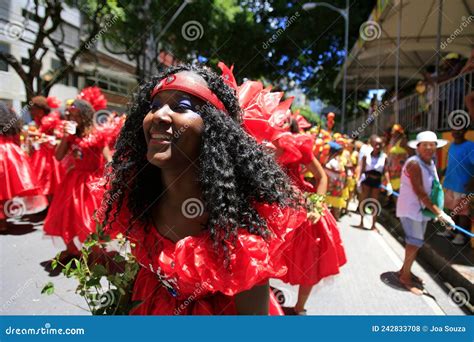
(271,186)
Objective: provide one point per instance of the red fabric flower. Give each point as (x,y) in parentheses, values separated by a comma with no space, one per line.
(53,102)
(94,96)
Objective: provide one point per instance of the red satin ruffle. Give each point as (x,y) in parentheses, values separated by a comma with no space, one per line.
(71,211)
(16,176)
(191,268)
(50,172)
(316,252)
(79,194)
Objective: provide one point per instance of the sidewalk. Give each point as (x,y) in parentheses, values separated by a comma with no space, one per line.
(453,264)
(362,287)
(24,252)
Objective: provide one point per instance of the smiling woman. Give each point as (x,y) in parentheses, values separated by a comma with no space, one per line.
(208,209)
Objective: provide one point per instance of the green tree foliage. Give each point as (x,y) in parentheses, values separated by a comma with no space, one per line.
(311,116)
(275,39)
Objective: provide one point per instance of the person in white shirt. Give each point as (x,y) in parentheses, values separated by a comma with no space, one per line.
(372,168)
(418,177)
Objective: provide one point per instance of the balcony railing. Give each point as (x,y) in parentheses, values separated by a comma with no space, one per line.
(417,112)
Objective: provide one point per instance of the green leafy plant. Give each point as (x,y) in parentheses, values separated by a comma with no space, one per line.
(105,278)
(315,205)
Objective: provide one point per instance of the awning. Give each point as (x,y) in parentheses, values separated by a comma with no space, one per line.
(372,61)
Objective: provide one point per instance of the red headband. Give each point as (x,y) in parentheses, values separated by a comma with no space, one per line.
(188,85)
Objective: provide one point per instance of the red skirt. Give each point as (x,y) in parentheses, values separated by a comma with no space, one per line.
(74,203)
(48,169)
(316,252)
(16,176)
(157,300)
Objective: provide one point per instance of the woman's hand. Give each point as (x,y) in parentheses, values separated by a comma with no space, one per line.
(313,217)
(445,218)
(69,128)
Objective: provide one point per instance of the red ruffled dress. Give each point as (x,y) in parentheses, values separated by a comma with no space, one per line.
(78,196)
(316,250)
(188,277)
(112,131)
(16,176)
(50,172)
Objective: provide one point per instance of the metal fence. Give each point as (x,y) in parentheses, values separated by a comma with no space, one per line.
(417,112)
(450,97)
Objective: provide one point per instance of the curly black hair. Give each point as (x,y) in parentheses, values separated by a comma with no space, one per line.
(235,172)
(86,111)
(10,123)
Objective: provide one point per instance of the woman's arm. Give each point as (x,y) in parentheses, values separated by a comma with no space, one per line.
(107,154)
(385,171)
(318,172)
(62,148)
(360,168)
(254,301)
(416,180)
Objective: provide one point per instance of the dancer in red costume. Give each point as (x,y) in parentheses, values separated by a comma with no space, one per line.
(70,213)
(316,250)
(107,122)
(16,177)
(208,209)
(48,169)
(111,128)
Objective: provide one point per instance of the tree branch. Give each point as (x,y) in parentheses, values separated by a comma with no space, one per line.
(15,64)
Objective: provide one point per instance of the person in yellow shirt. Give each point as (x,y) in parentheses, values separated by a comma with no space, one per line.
(397,153)
(335,170)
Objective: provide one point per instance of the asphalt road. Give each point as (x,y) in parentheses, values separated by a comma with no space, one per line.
(363,287)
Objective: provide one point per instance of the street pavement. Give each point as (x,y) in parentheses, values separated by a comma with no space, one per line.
(359,289)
